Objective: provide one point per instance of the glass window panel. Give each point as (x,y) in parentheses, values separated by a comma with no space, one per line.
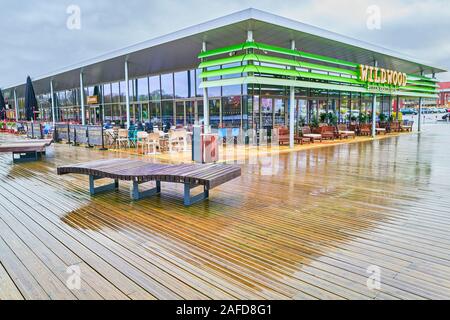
(167,86)
(115,92)
(122,90)
(192,84)
(214,113)
(142,89)
(180,113)
(181,84)
(231,112)
(167,112)
(107,93)
(155,112)
(155,88)
(199,91)
(279,109)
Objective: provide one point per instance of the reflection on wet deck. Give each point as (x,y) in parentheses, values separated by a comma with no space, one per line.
(304,225)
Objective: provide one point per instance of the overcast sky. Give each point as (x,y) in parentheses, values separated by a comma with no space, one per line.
(35,39)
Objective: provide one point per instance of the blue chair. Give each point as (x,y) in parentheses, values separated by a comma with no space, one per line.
(132,136)
(222,134)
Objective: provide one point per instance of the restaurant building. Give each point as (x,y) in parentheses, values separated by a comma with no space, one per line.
(250,69)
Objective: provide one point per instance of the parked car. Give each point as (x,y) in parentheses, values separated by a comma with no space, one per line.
(446,117)
(408,111)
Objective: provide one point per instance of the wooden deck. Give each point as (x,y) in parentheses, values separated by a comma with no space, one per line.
(301,225)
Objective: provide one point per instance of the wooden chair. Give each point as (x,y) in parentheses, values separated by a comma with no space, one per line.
(327,132)
(153,142)
(141,140)
(365,129)
(176,138)
(380,130)
(343,132)
(122,138)
(306,132)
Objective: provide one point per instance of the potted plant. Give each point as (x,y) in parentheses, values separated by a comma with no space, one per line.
(362,118)
(314,122)
(383,117)
(332,119)
(323,117)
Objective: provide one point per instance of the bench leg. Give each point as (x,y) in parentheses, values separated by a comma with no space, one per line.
(188,200)
(26,156)
(138,195)
(95,190)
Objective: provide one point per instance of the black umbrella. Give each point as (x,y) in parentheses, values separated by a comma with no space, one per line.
(2,106)
(31,105)
(98,94)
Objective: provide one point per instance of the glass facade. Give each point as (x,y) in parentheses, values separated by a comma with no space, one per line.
(176,98)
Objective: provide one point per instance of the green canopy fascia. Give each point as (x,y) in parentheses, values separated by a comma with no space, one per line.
(252,66)
(308,84)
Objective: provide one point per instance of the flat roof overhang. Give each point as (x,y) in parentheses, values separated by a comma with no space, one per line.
(179,51)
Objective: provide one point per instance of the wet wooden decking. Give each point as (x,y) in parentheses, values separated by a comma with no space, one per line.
(303,225)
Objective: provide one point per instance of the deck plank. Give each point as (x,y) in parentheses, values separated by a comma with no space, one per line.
(303,225)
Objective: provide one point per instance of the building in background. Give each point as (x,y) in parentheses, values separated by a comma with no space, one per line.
(444,95)
(251,69)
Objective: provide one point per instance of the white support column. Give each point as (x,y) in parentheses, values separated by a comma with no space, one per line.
(292,111)
(52,94)
(205,101)
(127,94)
(83,111)
(16,105)
(419,122)
(250,36)
(374,110)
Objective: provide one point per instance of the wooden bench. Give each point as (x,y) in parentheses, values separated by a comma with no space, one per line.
(26,150)
(139,172)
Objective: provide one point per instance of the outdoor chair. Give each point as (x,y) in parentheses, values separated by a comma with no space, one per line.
(380,130)
(408,126)
(365,129)
(132,137)
(327,132)
(176,139)
(222,132)
(122,138)
(343,132)
(153,143)
(237,136)
(141,140)
(306,132)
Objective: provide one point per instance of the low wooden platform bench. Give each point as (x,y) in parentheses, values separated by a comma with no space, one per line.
(139,172)
(26,150)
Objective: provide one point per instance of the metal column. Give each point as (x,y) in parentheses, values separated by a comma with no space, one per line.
(292,110)
(52,94)
(83,111)
(16,105)
(205,101)
(374,110)
(127,95)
